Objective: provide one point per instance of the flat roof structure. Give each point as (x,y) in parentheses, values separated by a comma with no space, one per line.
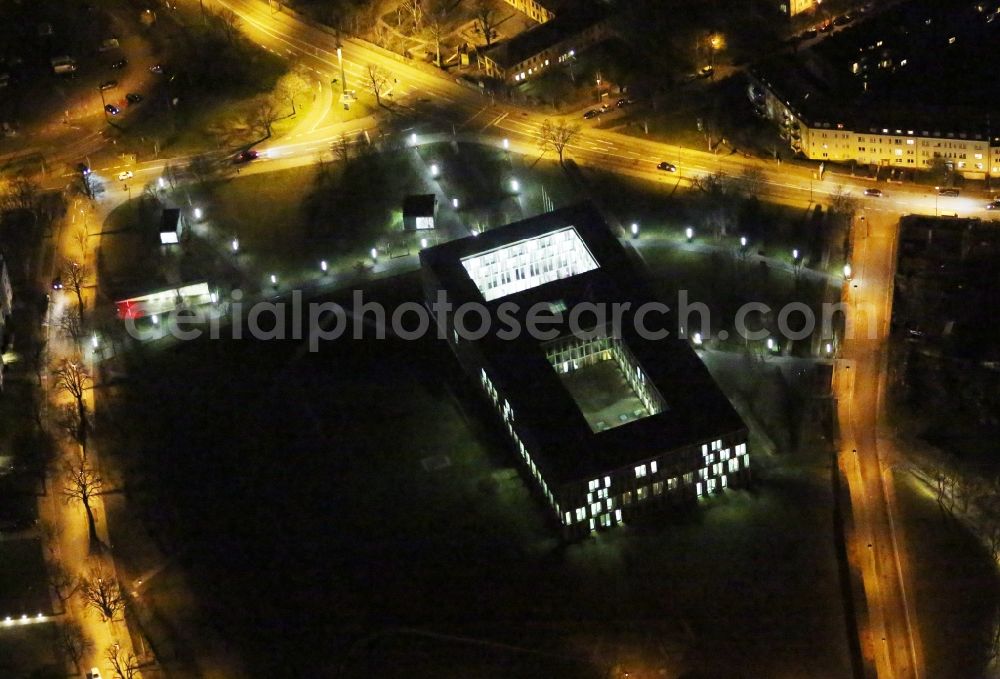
(588,405)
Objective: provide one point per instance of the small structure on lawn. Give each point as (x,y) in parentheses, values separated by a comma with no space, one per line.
(170,226)
(419,212)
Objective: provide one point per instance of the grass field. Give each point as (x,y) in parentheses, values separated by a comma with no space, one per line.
(322,501)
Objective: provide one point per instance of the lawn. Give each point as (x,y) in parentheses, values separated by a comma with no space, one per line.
(29,651)
(955,583)
(320,499)
(24,588)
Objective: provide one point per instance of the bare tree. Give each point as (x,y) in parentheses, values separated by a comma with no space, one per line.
(342,149)
(124,663)
(76,277)
(62,582)
(74,642)
(556,136)
(83,483)
(82,238)
(73,378)
(229,24)
(263,115)
(20,193)
(204,169)
(378,79)
(487,18)
(102,592)
(436,13)
(415,9)
(294,84)
(843,203)
(751,182)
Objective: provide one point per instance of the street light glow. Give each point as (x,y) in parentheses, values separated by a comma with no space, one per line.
(514,185)
(454,203)
(160,182)
(323,266)
(434,170)
(155,318)
(795,254)
(847,271)
(236,245)
(689,232)
(743,241)
(413,138)
(274,279)
(93,340)
(374,254)
(697,339)
(635,229)
(423,243)
(506,143)
(197,213)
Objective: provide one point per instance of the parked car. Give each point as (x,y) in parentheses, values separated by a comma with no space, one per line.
(592,113)
(245,156)
(133,98)
(121,63)
(109,84)
(666,167)
(809,33)
(82,168)
(947,191)
(94,673)
(112,109)
(995,205)
(622,103)
(156,68)
(876,193)
(127,174)
(57,283)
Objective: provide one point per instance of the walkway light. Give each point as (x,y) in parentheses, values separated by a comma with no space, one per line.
(743,241)
(323,266)
(697,339)
(235,245)
(93,340)
(829,348)
(689,233)
(514,185)
(197,213)
(506,143)
(795,254)
(374,254)
(274,280)
(635,230)
(454,203)
(771,345)
(423,243)
(160,182)
(413,138)
(847,271)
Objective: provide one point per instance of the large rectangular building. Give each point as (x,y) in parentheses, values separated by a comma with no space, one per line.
(609,419)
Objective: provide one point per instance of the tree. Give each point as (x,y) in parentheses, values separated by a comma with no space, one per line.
(843,203)
(416,10)
(124,663)
(73,378)
(436,29)
(378,79)
(751,182)
(487,18)
(102,592)
(63,584)
(294,84)
(263,115)
(76,276)
(20,193)
(229,24)
(556,136)
(83,484)
(73,641)
(342,149)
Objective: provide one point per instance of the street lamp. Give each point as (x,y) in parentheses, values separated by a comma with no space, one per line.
(413,138)
(374,254)
(197,213)
(274,280)
(454,203)
(514,185)
(635,230)
(771,345)
(697,339)
(423,243)
(689,233)
(434,170)
(235,245)
(160,182)
(743,241)
(847,271)
(795,254)
(323,266)
(506,144)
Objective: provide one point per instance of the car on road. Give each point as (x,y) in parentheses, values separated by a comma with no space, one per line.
(666,167)
(706,71)
(842,20)
(995,205)
(592,113)
(133,98)
(57,283)
(622,103)
(82,168)
(121,63)
(112,109)
(127,174)
(245,156)
(94,673)
(109,84)
(156,68)
(808,34)
(946,191)
(875,193)
(826,28)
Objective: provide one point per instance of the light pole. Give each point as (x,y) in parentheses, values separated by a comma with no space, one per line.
(343,78)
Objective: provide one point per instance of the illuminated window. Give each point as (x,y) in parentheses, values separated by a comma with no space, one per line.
(618,516)
(724,454)
(640,471)
(671,483)
(595,509)
(605,520)
(716,468)
(593,485)
(607,481)
(609,503)
(688,478)
(652,467)
(641,493)
(697,489)
(581,513)
(627,498)
(711,485)
(568,518)
(658,488)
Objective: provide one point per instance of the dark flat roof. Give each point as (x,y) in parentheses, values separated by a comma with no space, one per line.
(696,409)
(421,205)
(570,21)
(169,219)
